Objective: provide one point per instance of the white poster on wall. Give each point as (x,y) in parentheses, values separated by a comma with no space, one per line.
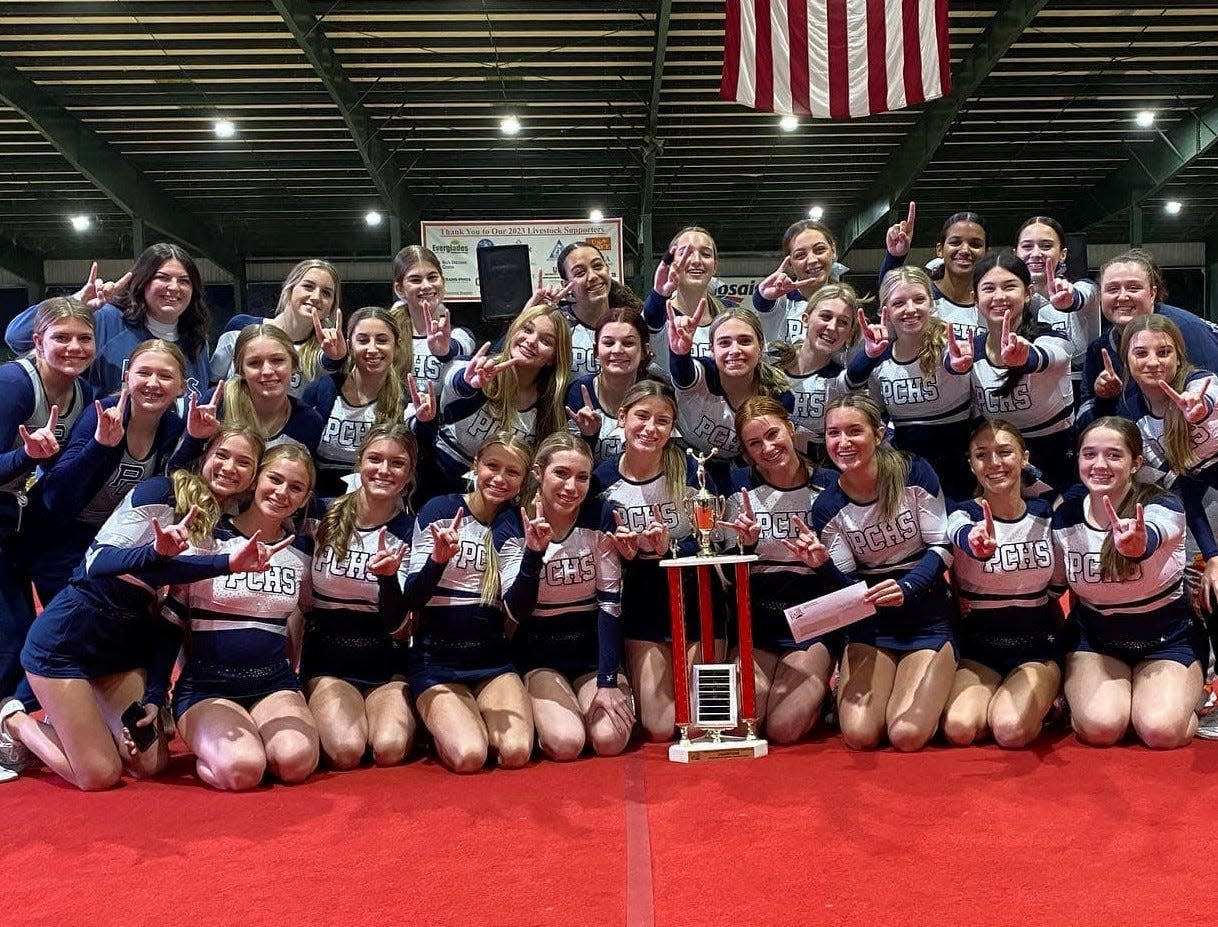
(456,245)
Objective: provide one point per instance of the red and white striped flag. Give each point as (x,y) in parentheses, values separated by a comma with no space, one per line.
(835,59)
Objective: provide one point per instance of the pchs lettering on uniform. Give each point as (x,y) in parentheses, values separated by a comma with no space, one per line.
(715,433)
(779,524)
(570,571)
(471,555)
(584,358)
(1085,568)
(1019,401)
(353,566)
(637,518)
(909,392)
(426,366)
(1023,555)
(885,534)
(277,580)
(481,427)
(126,478)
(344,433)
(810,405)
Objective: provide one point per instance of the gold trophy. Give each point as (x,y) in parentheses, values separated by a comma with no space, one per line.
(704,508)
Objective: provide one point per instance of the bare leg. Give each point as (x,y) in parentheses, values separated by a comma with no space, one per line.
(919,692)
(450,712)
(1165,694)
(391,723)
(1099,689)
(1017,710)
(289,733)
(965,717)
(556,715)
(80,747)
(229,754)
(863,690)
(508,714)
(606,739)
(342,722)
(650,668)
(797,690)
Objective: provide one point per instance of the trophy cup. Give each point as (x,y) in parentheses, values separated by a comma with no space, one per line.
(716,694)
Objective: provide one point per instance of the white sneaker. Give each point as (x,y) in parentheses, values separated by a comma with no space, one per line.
(14,755)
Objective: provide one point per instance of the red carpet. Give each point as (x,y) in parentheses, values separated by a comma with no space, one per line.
(810,835)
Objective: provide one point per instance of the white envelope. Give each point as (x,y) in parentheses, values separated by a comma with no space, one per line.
(829,612)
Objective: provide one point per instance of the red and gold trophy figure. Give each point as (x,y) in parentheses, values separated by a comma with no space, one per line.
(716,697)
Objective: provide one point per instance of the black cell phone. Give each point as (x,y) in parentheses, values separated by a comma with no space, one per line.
(144,737)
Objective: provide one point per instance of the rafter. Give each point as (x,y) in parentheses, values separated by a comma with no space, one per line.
(652,146)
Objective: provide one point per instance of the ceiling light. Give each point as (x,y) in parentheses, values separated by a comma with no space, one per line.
(816,213)
(596,216)
(1173,207)
(1145,118)
(372,217)
(81,223)
(509,125)
(788,123)
(225,128)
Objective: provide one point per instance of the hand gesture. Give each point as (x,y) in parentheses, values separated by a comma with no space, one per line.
(779,283)
(981,541)
(1059,290)
(1012,348)
(625,540)
(110,427)
(959,353)
(669,273)
(446,539)
(656,533)
(886,594)
(387,560)
(545,295)
(806,546)
(424,401)
(1107,384)
(1128,534)
(41,443)
(332,341)
(616,706)
(745,523)
(587,419)
(899,236)
(171,541)
(681,328)
(439,331)
(481,369)
(150,715)
(96,293)
(203,421)
(1192,404)
(537,531)
(875,337)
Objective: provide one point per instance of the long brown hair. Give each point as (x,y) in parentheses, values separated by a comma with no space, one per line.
(195,320)
(673,457)
(390,402)
(552,381)
(1177,440)
(892,467)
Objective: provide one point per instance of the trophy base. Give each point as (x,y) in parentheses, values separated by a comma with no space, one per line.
(729,748)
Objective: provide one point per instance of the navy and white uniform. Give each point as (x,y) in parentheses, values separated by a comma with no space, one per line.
(1006,615)
(1041,406)
(655,313)
(105,621)
(645,614)
(812,394)
(911,547)
(963,318)
(222,357)
(782,319)
(567,599)
(344,635)
(237,645)
(608,445)
(930,417)
(459,638)
(303,427)
(1080,325)
(583,347)
(427,367)
(80,490)
(779,580)
(1146,617)
(466,422)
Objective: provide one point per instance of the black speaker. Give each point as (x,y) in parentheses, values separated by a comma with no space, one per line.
(1076,256)
(505,280)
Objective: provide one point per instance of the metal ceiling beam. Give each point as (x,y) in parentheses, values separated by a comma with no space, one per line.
(652,148)
(382,162)
(22,262)
(111,172)
(1150,168)
(907,161)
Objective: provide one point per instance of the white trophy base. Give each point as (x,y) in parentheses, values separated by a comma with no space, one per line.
(727,748)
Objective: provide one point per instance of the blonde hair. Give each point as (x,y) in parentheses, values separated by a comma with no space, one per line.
(290,451)
(309,353)
(488,591)
(892,467)
(238,405)
(1177,439)
(189,487)
(556,443)
(673,459)
(390,401)
(768,380)
(552,381)
(338,523)
(934,336)
(58,308)
(158,346)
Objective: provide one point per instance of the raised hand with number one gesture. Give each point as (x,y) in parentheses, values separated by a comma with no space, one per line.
(1108,383)
(1193,404)
(981,542)
(1013,349)
(1059,290)
(387,560)
(333,342)
(669,273)
(900,236)
(41,443)
(424,401)
(446,539)
(745,523)
(111,424)
(203,421)
(959,353)
(537,531)
(439,330)
(587,419)
(875,337)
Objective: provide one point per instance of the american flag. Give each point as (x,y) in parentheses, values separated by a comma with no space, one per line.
(835,59)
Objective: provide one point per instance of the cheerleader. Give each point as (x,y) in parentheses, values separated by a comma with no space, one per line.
(161,297)
(647,487)
(770,506)
(562,589)
(622,359)
(238,703)
(308,314)
(1120,546)
(114,446)
(521,389)
(1021,371)
(962,242)
(883,521)
(783,299)
(682,282)
(460,668)
(353,672)
(918,374)
(98,647)
(710,391)
(584,270)
(829,325)
(368,392)
(418,284)
(1002,564)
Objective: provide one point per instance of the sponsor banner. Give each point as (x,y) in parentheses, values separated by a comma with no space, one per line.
(456,245)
